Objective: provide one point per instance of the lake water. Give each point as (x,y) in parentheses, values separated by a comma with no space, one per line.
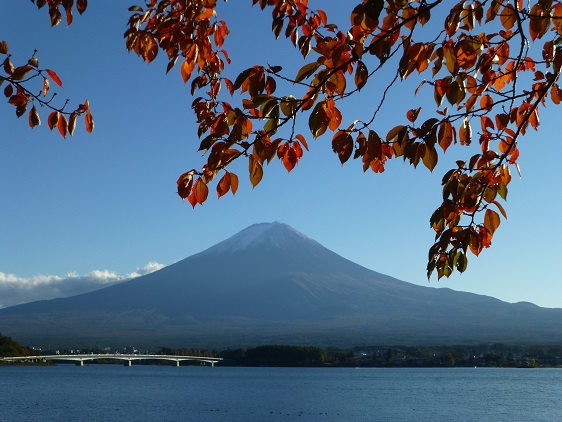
(202,394)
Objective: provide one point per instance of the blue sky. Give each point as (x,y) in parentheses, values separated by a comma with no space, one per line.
(106,201)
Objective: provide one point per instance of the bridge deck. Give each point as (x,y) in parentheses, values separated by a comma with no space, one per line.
(127,358)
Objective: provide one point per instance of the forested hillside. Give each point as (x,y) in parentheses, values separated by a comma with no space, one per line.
(9,347)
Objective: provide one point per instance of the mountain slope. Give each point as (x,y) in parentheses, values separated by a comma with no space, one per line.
(270,283)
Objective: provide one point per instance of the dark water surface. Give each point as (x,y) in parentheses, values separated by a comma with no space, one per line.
(187,393)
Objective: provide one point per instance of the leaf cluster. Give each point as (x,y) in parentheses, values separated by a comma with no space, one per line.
(27,86)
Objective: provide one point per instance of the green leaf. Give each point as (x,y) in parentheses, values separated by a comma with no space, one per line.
(461,262)
(502,191)
(306,71)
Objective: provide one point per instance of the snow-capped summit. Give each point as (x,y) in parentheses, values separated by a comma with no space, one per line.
(274,234)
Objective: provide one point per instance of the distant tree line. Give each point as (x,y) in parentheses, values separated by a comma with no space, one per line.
(496,355)
(278,355)
(484,355)
(9,347)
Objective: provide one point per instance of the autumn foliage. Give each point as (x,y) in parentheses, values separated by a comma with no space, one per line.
(21,92)
(487,67)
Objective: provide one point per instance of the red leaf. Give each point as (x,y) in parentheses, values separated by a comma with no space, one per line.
(54,77)
(412,115)
(62,125)
(224,185)
(303,141)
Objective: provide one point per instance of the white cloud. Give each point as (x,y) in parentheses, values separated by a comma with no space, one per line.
(15,290)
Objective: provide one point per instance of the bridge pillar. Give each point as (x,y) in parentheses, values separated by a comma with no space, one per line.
(177,363)
(128,363)
(80,363)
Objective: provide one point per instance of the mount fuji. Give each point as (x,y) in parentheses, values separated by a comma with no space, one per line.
(272,284)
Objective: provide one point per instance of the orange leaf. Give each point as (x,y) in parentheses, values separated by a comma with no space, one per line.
(290,159)
(205,14)
(412,115)
(335,118)
(53,119)
(442,86)
(224,185)
(508,16)
(491,220)
(186,70)
(298,150)
(475,243)
(233,183)
(502,210)
(72,123)
(486,123)
(201,191)
(445,135)
(303,141)
(486,102)
(54,77)
(89,122)
(502,120)
(256,171)
(465,133)
(62,125)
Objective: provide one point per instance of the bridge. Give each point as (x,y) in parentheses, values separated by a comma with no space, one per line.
(126,358)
